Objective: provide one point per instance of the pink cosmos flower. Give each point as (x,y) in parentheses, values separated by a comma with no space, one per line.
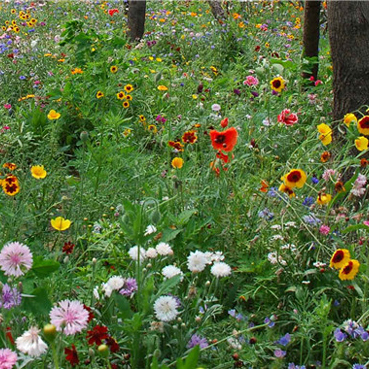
(324,229)
(288,118)
(70,317)
(251,81)
(15,259)
(8,358)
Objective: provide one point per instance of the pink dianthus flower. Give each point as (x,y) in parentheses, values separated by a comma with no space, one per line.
(8,358)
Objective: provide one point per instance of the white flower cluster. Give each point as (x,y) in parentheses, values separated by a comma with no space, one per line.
(198,260)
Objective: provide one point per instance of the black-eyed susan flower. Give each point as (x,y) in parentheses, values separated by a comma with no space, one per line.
(325,134)
(142,118)
(53,115)
(121,95)
(324,198)
(189,137)
(277,84)
(128,97)
(340,258)
(349,270)
(10,185)
(128,88)
(113,69)
(177,163)
(125,104)
(38,171)
(295,178)
(152,128)
(349,118)
(361,143)
(99,94)
(60,224)
(363,125)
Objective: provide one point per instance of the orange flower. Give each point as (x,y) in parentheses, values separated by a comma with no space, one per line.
(339,187)
(176,145)
(189,137)
(264,186)
(10,185)
(225,140)
(325,156)
(177,163)
(364,163)
(10,166)
(363,125)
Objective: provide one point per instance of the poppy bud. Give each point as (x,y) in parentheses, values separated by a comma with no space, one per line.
(224,122)
(200,87)
(235,356)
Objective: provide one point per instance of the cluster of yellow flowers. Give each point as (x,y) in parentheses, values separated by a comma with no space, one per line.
(341,259)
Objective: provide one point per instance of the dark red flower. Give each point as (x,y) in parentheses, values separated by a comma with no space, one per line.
(224,123)
(68,247)
(225,140)
(97,334)
(71,355)
(9,335)
(90,313)
(223,157)
(112,343)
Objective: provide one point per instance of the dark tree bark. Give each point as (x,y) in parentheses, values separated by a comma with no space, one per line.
(136,19)
(217,10)
(311,35)
(348,26)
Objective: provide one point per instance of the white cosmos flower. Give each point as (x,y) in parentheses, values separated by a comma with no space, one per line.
(196,261)
(170,271)
(133,253)
(165,308)
(31,343)
(220,269)
(164,249)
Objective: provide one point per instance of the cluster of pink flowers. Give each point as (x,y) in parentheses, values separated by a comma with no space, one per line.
(288,118)
(251,81)
(358,189)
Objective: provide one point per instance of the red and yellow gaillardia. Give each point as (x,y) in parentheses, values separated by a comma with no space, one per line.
(340,258)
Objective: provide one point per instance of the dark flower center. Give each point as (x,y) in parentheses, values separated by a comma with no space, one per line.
(276,83)
(364,123)
(220,139)
(338,256)
(347,269)
(294,176)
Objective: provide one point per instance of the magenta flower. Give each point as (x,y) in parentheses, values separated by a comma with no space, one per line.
(324,229)
(70,317)
(251,81)
(15,259)
(8,358)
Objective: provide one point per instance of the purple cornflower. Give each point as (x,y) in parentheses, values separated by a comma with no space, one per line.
(10,297)
(270,322)
(279,353)
(359,366)
(315,180)
(129,287)
(285,340)
(197,340)
(22,78)
(339,335)
(266,214)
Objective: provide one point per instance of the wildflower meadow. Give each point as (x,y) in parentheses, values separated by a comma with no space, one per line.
(184,200)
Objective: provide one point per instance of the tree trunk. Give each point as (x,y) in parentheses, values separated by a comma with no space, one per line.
(136,19)
(311,36)
(348,26)
(217,10)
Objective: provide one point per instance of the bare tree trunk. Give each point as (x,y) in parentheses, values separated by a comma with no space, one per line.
(217,10)
(348,26)
(136,19)
(311,36)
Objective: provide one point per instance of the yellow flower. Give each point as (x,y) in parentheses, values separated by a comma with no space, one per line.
(325,134)
(295,178)
(283,188)
(162,88)
(349,270)
(121,95)
(152,128)
(128,88)
(10,185)
(113,69)
(277,84)
(324,198)
(38,172)
(177,163)
(60,224)
(363,125)
(99,94)
(53,115)
(349,118)
(125,104)
(77,71)
(340,258)
(361,143)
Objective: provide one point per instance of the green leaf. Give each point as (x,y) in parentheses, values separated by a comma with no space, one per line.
(37,302)
(123,305)
(191,360)
(355,228)
(185,216)
(348,186)
(43,268)
(170,234)
(167,286)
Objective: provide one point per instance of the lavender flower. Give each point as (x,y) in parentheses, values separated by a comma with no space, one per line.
(279,353)
(129,287)
(285,340)
(197,340)
(339,335)
(10,297)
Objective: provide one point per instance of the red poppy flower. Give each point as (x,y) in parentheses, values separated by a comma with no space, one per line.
(71,355)
(113,11)
(97,334)
(223,157)
(225,140)
(224,122)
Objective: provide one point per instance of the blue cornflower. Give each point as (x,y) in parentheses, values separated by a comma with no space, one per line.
(270,322)
(22,78)
(285,340)
(359,366)
(311,219)
(266,214)
(314,180)
(339,335)
(293,366)
(197,340)
(308,201)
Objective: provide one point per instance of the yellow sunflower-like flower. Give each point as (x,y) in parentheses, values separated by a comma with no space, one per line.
(349,270)
(340,258)
(99,94)
(113,69)
(363,125)
(53,115)
(324,198)
(38,172)
(325,134)
(295,178)
(277,84)
(361,143)
(349,118)
(10,185)
(60,224)
(283,188)
(177,163)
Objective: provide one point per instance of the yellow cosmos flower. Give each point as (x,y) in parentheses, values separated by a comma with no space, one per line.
(277,84)
(177,163)
(38,172)
(349,118)
(162,88)
(324,198)
(340,258)
(295,178)
(361,143)
(53,115)
(325,134)
(349,270)
(60,224)
(363,125)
